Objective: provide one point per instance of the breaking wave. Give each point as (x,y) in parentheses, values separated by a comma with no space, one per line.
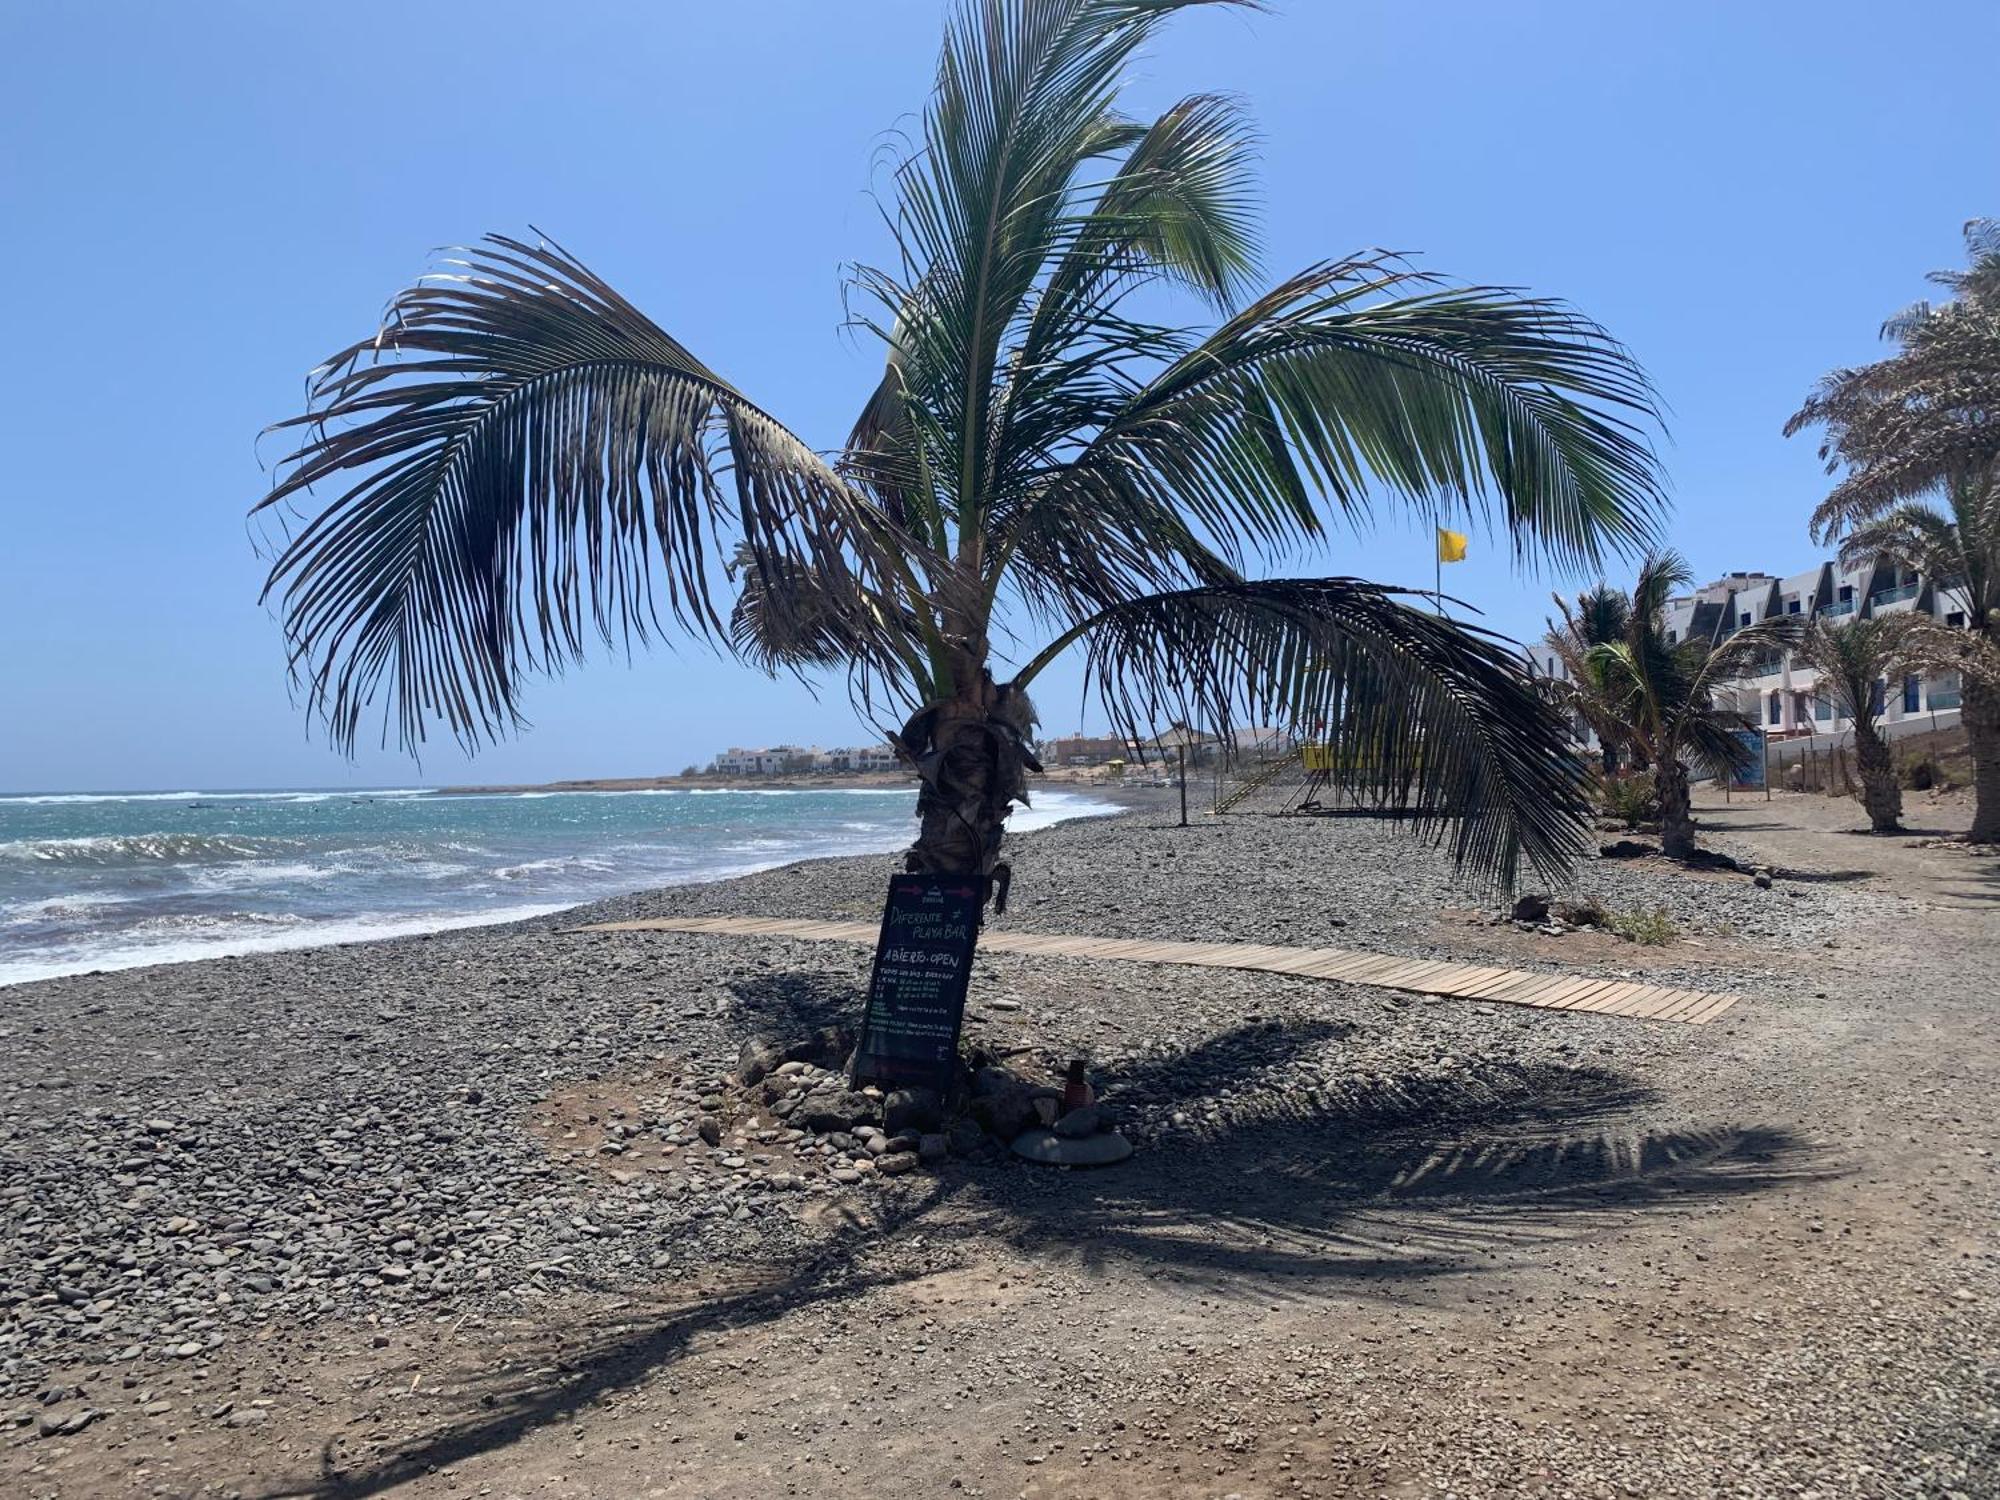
(163,848)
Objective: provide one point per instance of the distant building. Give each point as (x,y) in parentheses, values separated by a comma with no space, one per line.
(866,758)
(1083,750)
(803,760)
(1199,745)
(1781,693)
(774,760)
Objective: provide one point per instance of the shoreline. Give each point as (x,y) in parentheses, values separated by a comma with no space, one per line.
(865,779)
(355,928)
(1063,778)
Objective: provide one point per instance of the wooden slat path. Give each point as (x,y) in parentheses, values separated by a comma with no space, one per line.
(1581,992)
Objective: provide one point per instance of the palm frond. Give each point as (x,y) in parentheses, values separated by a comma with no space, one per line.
(516,453)
(1851,658)
(1661,574)
(1436,719)
(1024,98)
(1911,536)
(1347,380)
(1924,416)
(1956,548)
(788,618)
(1180,204)
(1930,645)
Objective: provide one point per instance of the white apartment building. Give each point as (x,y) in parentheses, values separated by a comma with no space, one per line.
(1780,693)
(794,760)
(763,761)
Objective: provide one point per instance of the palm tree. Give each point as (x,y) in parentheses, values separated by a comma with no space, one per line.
(1958,549)
(1597,617)
(1925,417)
(520,458)
(1662,693)
(1921,423)
(1853,661)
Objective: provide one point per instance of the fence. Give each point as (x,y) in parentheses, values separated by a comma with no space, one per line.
(1825,762)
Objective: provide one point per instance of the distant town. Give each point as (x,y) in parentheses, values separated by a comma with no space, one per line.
(1064,750)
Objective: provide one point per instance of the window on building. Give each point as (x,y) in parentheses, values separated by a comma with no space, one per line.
(1878,696)
(1743,618)
(1672,636)
(1846,592)
(1793,606)
(1822,710)
(1913,688)
(1777,709)
(1956,619)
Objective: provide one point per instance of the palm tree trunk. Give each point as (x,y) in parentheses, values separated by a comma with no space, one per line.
(1979,711)
(970,751)
(1880,793)
(1670,784)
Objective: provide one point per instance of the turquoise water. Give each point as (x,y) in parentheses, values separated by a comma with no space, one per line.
(104,881)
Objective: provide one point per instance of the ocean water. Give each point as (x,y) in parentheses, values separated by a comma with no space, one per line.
(107,881)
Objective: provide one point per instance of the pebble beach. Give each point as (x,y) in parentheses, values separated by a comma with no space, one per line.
(217,1173)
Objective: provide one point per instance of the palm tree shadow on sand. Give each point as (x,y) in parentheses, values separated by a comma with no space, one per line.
(1350,1188)
(1369,1180)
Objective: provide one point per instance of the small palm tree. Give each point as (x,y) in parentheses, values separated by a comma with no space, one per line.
(1914,427)
(1958,549)
(1853,661)
(1662,694)
(519,458)
(1599,616)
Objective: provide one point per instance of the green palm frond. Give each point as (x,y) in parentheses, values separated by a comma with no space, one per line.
(514,452)
(1180,204)
(1956,548)
(1024,99)
(1436,718)
(1851,658)
(1732,657)
(1346,381)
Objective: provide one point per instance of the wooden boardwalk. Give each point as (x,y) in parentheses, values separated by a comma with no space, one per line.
(1611,997)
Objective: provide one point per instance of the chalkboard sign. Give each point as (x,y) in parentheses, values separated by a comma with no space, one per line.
(916,996)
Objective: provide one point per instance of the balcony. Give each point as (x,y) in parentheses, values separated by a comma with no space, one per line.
(1838,607)
(1766,666)
(1893,596)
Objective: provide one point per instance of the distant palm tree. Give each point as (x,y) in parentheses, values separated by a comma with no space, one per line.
(519,458)
(1958,549)
(1597,617)
(1922,423)
(1662,693)
(1855,662)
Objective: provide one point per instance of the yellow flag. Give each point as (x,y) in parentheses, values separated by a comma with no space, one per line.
(1451,546)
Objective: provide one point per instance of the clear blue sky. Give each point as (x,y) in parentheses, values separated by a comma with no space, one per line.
(201,200)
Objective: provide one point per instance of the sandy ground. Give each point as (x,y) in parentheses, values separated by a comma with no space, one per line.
(1752,1259)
